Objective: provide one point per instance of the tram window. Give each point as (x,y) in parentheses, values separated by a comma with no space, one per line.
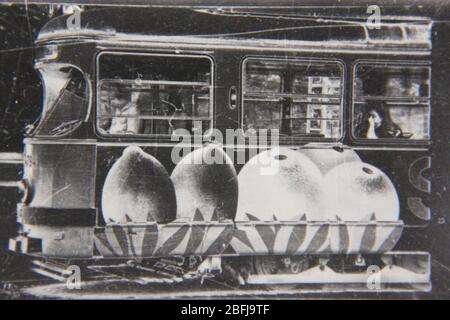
(153,94)
(299,99)
(66,100)
(391,102)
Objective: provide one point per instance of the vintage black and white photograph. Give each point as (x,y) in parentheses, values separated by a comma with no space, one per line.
(234,149)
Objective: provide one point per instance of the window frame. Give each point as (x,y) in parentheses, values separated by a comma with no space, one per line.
(399,64)
(158,136)
(293,140)
(44,115)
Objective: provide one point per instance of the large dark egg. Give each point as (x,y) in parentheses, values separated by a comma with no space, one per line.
(280,184)
(205,182)
(358,191)
(138,189)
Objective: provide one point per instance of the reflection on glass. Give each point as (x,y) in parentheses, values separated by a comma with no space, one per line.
(391,102)
(66,100)
(296,98)
(263,82)
(153,94)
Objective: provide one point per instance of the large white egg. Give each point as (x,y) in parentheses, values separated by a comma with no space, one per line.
(138,189)
(280,184)
(357,191)
(328,158)
(205,182)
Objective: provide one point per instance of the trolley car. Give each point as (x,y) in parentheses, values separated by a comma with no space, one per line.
(128,86)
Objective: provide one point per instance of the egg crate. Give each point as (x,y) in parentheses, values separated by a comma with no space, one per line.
(317,238)
(228,238)
(209,238)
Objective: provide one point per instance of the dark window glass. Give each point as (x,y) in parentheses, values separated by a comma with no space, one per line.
(299,99)
(153,95)
(66,100)
(391,102)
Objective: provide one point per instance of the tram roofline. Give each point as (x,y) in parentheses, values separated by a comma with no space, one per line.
(257,27)
(408,48)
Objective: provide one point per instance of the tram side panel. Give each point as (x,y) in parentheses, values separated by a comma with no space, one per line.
(439,235)
(58,212)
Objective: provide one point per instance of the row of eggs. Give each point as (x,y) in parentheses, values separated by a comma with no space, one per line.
(277,184)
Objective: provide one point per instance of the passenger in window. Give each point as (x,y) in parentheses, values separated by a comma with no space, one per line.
(176,109)
(160,111)
(378,123)
(125,113)
(104,123)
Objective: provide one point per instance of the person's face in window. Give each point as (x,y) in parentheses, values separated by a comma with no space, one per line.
(118,100)
(375,119)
